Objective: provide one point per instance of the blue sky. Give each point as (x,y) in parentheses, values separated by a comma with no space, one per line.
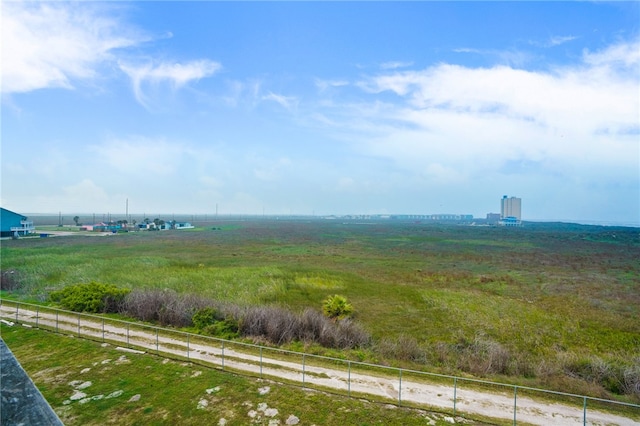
(322,108)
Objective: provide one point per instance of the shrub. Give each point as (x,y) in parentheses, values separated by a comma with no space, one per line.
(226,320)
(405,348)
(480,356)
(276,325)
(619,379)
(225,329)
(631,381)
(350,335)
(281,326)
(164,306)
(9,280)
(337,307)
(203,318)
(91,297)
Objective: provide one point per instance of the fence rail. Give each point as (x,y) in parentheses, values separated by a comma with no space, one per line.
(459,396)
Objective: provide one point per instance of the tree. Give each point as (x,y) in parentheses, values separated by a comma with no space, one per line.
(76,219)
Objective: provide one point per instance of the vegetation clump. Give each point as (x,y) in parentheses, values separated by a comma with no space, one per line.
(9,280)
(91,297)
(274,324)
(337,307)
(209,321)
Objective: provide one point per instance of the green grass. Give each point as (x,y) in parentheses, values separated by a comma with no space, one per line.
(545,292)
(170,391)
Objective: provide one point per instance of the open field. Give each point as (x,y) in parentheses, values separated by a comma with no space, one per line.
(547,305)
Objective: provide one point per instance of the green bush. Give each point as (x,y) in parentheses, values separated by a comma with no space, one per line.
(225,329)
(92,297)
(211,322)
(203,318)
(337,307)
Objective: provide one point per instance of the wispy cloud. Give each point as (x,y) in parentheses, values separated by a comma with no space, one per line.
(323,85)
(453,121)
(558,40)
(552,41)
(395,65)
(138,155)
(617,55)
(288,102)
(55,44)
(174,74)
(510,57)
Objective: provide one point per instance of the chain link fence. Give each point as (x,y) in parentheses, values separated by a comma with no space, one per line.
(479,399)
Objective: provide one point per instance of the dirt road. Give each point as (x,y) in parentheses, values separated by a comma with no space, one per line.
(351,378)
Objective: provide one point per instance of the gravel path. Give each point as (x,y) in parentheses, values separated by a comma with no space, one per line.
(353,379)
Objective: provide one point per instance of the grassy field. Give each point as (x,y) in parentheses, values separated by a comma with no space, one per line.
(135,389)
(547,305)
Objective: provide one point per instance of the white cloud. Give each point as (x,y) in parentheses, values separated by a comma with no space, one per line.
(210,182)
(59,44)
(288,102)
(394,65)
(323,85)
(141,155)
(617,55)
(558,40)
(457,122)
(54,44)
(553,41)
(270,169)
(509,57)
(175,74)
(85,190)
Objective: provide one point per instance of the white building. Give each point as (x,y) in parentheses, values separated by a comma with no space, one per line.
(511,207)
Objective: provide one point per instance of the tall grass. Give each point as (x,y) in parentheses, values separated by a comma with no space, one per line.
(488,301)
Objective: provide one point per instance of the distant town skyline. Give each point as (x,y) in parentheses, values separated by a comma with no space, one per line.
(322,108)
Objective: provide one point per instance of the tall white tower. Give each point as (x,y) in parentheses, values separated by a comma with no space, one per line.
(510,207)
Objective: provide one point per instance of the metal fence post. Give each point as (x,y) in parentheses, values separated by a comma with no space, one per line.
(188,349)
(261,362)
(103,330)
(157,348)
(78,324)
(56,321)
(584,412)
(17,309)
(37,315)
(349,380)
(303,358)
(515,403)
(400,388)
(223,354)
(455,396)
(127,334)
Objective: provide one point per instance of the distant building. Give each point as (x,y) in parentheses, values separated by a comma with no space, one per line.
(510,207)
(510,211)
(493,218)
(183,225)
(13,224)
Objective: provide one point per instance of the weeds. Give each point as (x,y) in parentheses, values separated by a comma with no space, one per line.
(541,304)
(10,280)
